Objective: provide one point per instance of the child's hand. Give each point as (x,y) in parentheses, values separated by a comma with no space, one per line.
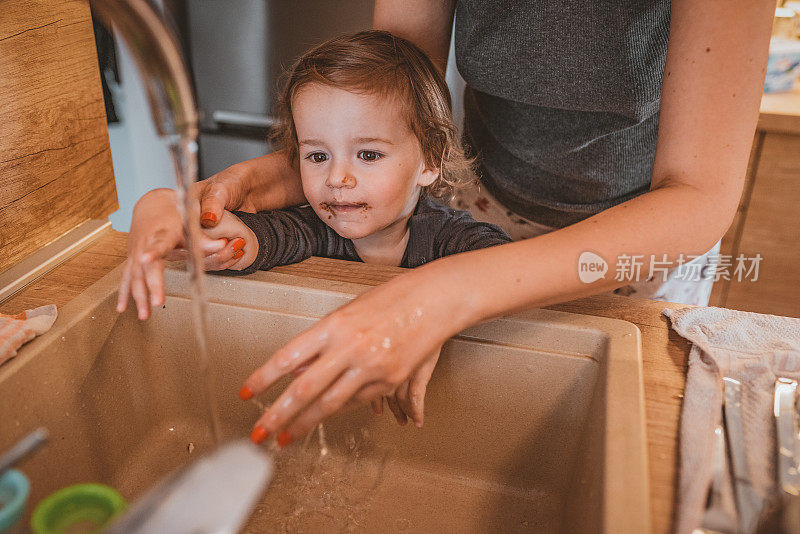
(241,240)
(408,401)
(156,234)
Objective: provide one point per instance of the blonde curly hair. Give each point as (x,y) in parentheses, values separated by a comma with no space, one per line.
(378,62)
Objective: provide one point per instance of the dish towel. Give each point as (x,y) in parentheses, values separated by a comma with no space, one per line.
(752,348)
(16,330)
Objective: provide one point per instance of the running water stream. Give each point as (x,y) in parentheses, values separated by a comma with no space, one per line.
(184,155)
(166,79)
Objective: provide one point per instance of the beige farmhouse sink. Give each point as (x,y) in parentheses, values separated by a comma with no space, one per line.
(534,423)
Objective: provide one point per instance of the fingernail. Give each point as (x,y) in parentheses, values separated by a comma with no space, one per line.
(238,244)
(208,216)
(283,439)
(245,393)
(258,435)
(238,254)
(418,424)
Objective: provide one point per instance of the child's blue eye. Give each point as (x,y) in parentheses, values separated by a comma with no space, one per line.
(317,157)
(369,155)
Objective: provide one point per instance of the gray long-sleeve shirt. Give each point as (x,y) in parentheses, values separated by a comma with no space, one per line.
(292,235)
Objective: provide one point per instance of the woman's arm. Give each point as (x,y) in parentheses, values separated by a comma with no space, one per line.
(426,23)
(711,91)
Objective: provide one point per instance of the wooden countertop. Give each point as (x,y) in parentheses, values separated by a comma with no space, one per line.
(665,354)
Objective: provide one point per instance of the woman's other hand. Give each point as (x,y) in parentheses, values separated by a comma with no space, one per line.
(226,190)
(266,182)
(241,250)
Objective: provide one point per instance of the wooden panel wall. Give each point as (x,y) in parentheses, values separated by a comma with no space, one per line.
(55,161)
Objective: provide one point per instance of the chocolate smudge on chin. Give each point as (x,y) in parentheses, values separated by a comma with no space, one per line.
(327,207)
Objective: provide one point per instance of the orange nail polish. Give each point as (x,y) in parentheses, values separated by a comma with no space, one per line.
(238,244)
(208,216)
(283,439)
(258,435)
(245,393)
(238,254)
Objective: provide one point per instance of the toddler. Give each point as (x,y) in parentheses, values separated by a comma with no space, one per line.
(367,119)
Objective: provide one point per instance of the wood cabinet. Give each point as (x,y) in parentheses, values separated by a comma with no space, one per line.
(768,220)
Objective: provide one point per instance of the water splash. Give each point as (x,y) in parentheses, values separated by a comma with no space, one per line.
(323,444)
(313,492)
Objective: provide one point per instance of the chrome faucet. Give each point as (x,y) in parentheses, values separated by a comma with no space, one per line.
(160,61)
(213,495)
(217,492)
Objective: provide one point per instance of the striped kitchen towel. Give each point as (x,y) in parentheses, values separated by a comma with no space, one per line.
(16,330)
(754,349)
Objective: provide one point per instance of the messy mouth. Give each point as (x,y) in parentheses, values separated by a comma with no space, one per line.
(343,207)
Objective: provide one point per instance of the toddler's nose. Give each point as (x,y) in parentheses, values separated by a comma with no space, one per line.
(342,180)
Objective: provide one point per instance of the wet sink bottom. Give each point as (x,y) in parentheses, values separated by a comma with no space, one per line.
(342,494)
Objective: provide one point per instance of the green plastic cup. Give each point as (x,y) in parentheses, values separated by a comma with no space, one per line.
(82,508)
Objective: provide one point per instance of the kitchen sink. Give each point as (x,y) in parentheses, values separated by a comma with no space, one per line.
(534,422)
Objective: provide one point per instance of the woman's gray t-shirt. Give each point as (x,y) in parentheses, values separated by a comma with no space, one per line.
(562,100)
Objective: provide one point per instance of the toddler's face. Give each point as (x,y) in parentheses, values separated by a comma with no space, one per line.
(360,164)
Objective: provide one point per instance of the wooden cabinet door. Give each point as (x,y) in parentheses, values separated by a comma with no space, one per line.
(768,224)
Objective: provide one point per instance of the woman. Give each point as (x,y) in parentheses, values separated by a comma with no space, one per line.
(583,119)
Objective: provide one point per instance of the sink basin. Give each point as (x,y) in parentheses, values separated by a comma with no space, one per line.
(534,423)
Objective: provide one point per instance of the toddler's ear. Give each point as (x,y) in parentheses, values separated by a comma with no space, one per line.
(428,176)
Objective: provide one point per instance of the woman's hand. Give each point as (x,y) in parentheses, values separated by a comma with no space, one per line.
(408,401)
(384,343)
